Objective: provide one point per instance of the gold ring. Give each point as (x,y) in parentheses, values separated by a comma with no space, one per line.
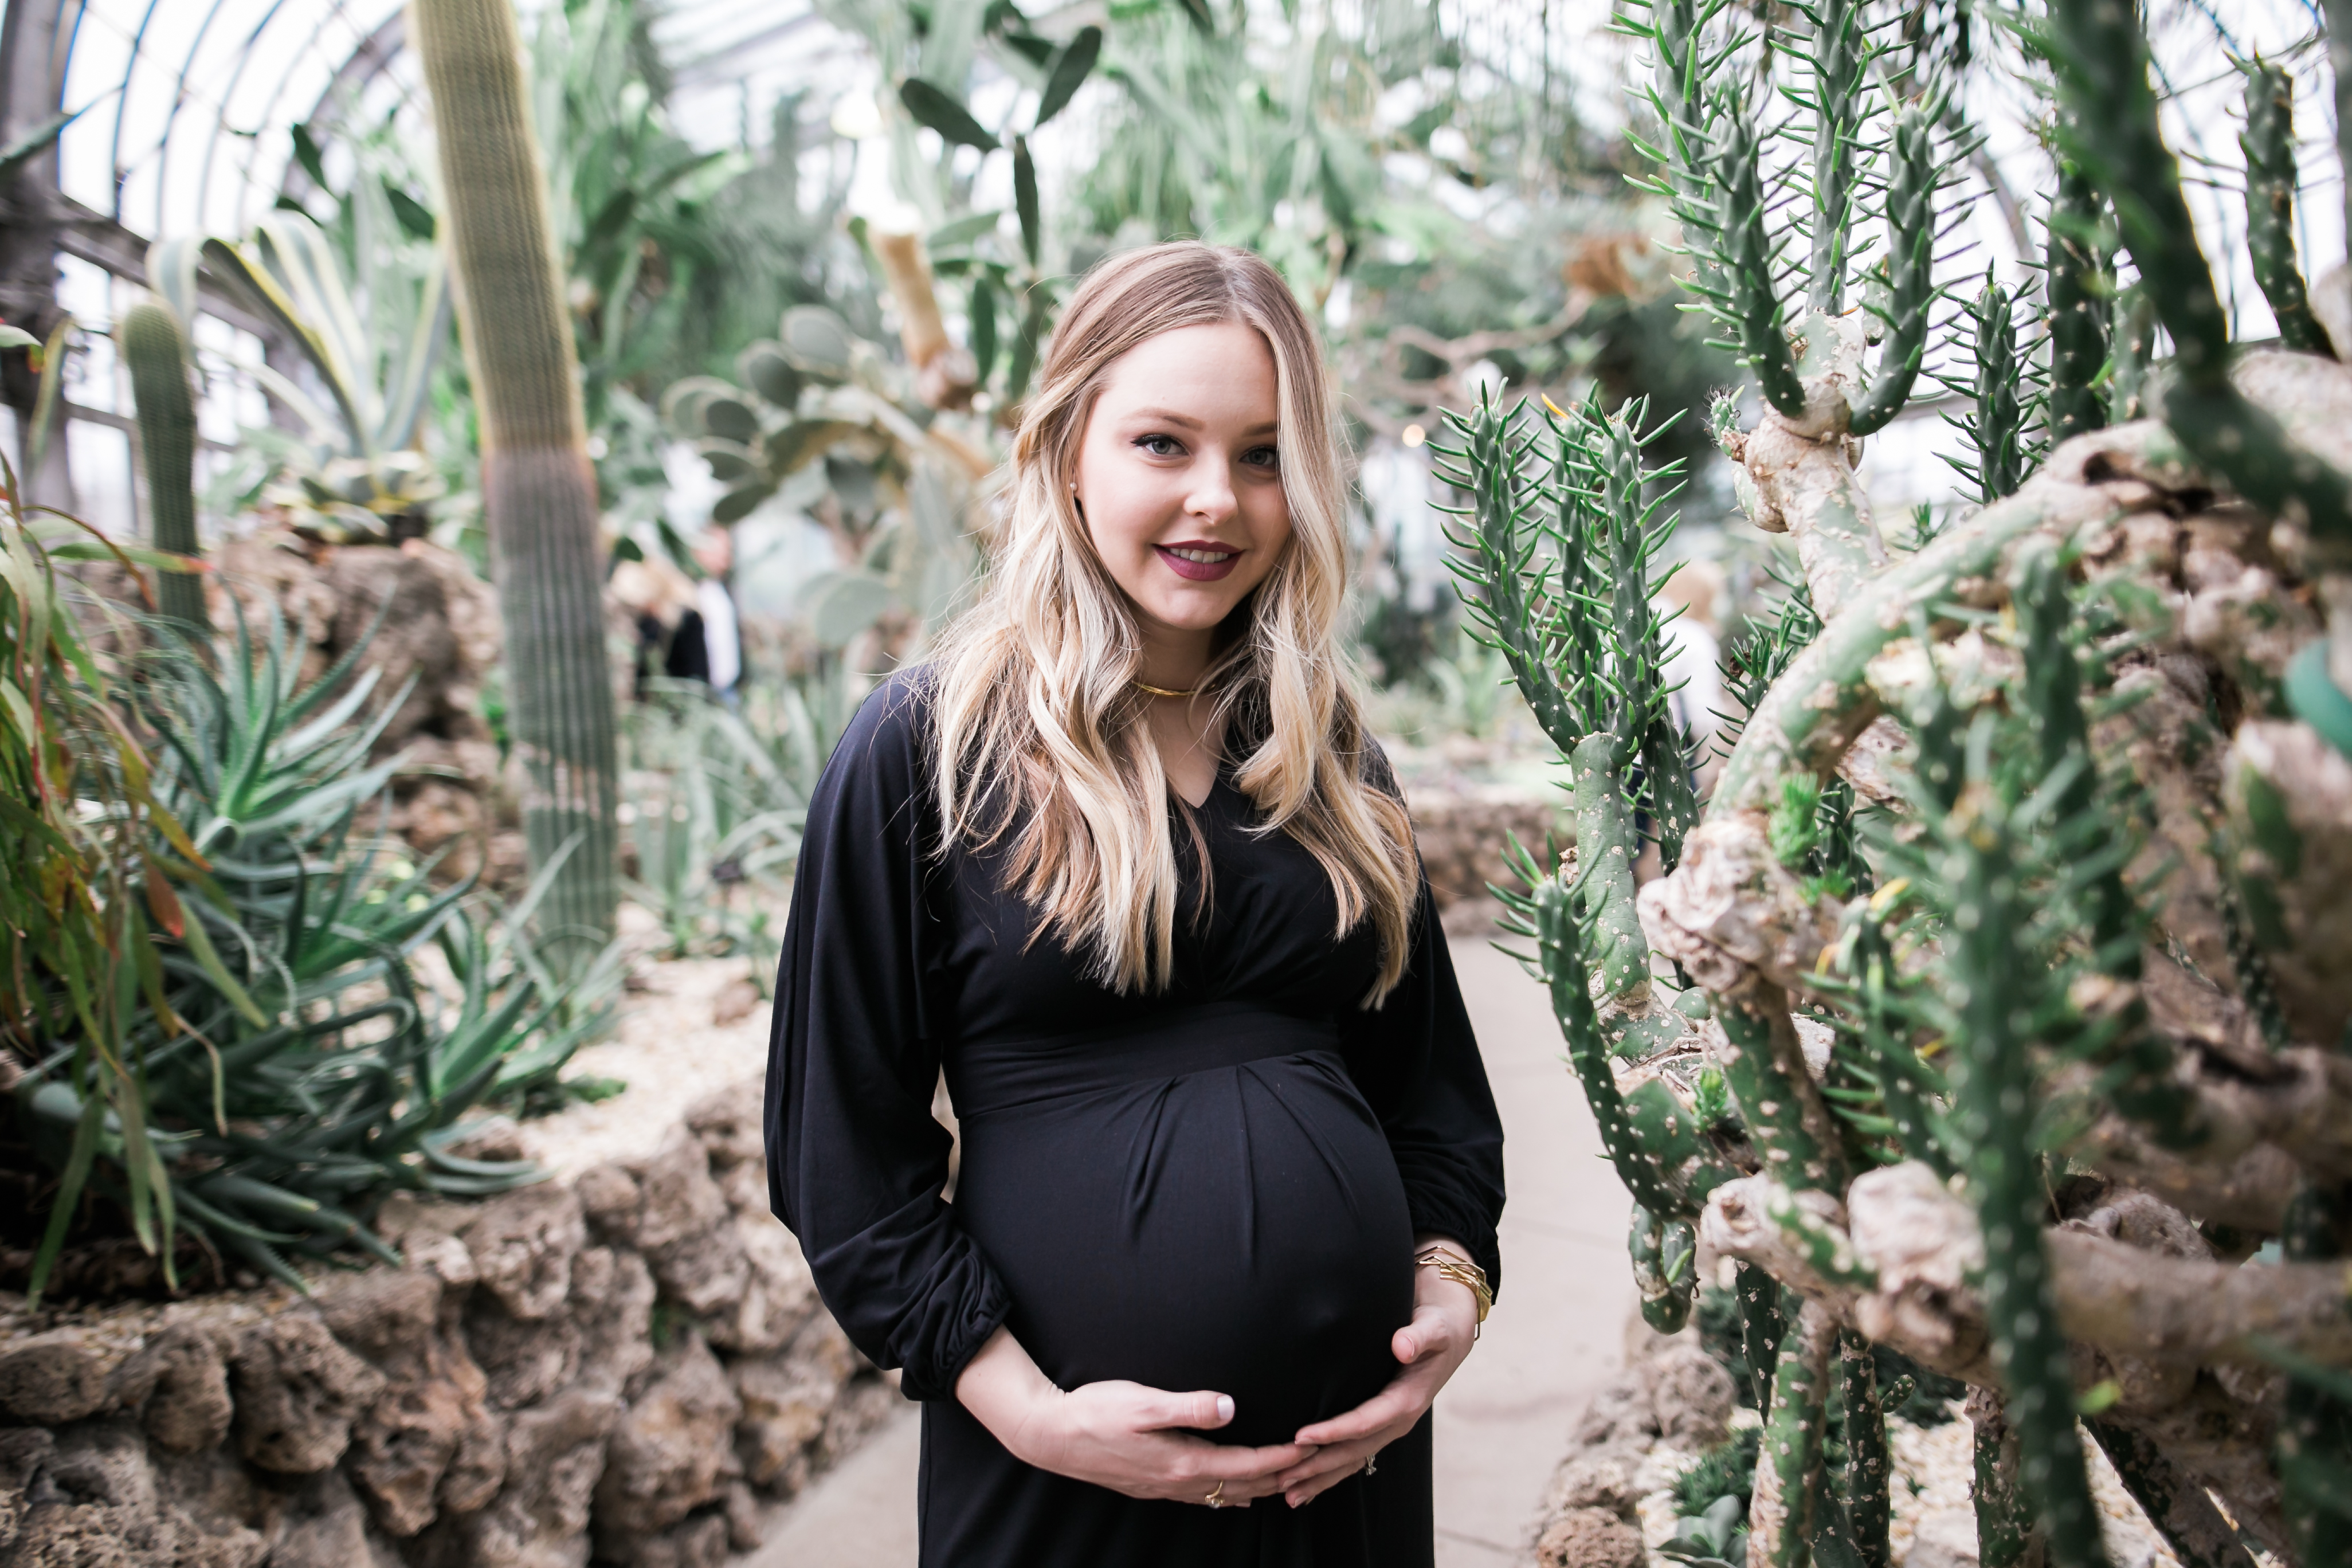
(1216,1498)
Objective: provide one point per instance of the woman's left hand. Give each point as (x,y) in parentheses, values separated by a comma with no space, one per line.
(1444,1322)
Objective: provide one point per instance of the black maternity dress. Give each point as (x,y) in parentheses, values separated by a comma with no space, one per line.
(1214,1188)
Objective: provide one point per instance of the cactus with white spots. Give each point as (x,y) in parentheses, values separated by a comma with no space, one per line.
(1994,1006)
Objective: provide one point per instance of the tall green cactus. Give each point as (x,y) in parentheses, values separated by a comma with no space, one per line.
(2076,281)
(2268,143)
(155,349)
(539,488)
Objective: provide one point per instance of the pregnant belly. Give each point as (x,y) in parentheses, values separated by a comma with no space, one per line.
(1239,1229)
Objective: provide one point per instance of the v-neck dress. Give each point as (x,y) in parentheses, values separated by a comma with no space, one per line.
(1215,1187)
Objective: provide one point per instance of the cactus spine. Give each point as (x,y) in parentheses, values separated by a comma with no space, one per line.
(539,489)
(155,349)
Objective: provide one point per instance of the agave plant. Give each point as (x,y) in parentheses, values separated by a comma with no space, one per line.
(283,1064)
(1993,1011)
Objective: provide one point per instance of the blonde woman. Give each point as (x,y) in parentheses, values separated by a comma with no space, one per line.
(1120,857)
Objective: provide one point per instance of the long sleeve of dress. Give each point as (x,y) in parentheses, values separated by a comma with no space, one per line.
(856,1162)
(1416,1063)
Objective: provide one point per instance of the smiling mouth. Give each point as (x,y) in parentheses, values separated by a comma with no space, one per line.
(1199,561)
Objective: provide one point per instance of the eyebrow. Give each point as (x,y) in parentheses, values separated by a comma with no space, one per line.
(1170,417)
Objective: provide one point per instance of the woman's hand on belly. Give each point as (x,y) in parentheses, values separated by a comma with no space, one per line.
(1135,1441)
(1444,1323)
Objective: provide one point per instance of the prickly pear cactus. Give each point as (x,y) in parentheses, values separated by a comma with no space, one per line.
(826,419)
(1993,1009)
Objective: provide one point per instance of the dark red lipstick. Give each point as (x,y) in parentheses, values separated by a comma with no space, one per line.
(1200,571)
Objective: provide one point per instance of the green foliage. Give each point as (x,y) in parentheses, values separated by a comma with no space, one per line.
(271,1062)
(2268,143)
(716,803)
(1665,1268)
(371,322)
(2101,60)
(155,349)
(80,906)
(823,419)
(2005,394)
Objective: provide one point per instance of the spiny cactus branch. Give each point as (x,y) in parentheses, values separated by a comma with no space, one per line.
(1911,263)
(2101,57)
(2268,143)
(1837,54)
(1743,252)
(1995,1115)
(2076,277)
(1786,1510)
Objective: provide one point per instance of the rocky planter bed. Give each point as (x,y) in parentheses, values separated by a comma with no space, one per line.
(1610,1502)
(621,1364)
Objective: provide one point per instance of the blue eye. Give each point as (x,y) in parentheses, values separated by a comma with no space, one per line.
(1159,446)
(1262,458)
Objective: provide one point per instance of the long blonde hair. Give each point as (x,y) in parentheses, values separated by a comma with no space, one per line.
(1042,738)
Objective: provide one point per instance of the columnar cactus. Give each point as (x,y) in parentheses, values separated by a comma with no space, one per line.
(539,488)
(1993,1011)
(155,349)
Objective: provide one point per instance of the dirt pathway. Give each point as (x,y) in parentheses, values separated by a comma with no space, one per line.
(1501,1424)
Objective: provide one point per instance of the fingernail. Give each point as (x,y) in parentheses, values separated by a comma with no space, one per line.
(1225,1408)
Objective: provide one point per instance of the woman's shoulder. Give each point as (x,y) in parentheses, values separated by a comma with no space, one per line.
(888,740)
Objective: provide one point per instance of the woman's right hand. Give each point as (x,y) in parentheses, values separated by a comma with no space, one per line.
(1137,1441)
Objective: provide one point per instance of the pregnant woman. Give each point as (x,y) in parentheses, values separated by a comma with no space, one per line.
(1120,858)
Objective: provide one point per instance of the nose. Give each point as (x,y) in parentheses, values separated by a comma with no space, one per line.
(1211,496)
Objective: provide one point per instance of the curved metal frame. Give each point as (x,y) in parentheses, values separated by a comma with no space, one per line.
(40,222)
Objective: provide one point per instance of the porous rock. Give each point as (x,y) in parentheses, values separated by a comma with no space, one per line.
(729,1123)
(745,1528)
(325,1527)
(1589,1538)
(523,1360)
(697,1543)
(92,1501)
(613,1296)
(177,1384)
(297,1394)
(787,1401)
(670,1453)
(404,1442)
(540,1519)
(522,1244)
(684,1228)
(51,1379)
(1622,1414)
(1692,1397)
(1596,1477)
(24,1450)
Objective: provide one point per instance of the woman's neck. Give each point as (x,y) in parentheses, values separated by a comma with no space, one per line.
(1173,659)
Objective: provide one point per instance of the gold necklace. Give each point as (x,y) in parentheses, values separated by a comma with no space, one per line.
(1161,691)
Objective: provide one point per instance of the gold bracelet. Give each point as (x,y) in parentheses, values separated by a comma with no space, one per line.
(1462,1271)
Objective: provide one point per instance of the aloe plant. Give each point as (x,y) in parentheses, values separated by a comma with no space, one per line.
(2010,906)
(219,1029)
